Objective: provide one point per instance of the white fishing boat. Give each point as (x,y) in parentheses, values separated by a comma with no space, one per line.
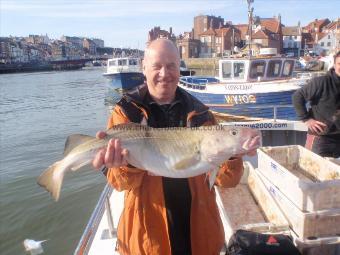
(125,72)
(100,237)
(255,87)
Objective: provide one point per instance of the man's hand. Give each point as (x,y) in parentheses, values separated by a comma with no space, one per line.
(317,127)
(251,146)
(111,156)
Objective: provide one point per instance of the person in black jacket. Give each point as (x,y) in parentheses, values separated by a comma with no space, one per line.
(322,95)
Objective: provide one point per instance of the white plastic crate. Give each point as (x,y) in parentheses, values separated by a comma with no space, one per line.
(239,208)
(311,182)
(305,224)
(319,246)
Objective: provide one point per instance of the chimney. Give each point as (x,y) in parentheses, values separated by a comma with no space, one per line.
(170,31)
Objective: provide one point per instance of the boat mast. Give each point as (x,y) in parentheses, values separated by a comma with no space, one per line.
(250,24)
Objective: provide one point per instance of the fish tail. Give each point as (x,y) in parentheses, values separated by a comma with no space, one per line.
(52,178)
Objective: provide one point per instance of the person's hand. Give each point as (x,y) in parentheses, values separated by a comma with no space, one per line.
(317,127)
(111,156)
(251,146)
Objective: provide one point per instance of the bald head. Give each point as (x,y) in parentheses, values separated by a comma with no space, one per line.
(161,69)
(161,45)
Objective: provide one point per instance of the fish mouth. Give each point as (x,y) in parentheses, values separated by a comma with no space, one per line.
(252,143)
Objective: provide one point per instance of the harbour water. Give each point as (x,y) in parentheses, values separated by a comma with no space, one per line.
(37,112)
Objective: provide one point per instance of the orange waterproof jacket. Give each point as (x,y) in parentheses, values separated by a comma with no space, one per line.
(143,230)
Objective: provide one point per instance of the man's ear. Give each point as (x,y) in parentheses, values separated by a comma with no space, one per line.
(143,66)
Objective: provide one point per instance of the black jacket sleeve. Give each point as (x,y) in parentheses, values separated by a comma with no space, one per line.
(311,93)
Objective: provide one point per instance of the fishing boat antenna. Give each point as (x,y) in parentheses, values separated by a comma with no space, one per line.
(250,25)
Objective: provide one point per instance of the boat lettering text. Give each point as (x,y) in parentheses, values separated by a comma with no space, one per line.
(239,86)
(240,99)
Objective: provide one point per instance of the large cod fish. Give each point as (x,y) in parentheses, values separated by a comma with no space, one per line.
(170,152)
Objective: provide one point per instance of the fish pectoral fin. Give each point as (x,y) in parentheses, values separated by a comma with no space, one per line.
(73,141)
(212,177)
(186,162)
(75,168)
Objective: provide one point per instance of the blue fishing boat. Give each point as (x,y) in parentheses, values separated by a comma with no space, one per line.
(255,87)
(125,72)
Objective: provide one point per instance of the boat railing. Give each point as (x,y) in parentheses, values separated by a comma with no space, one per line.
(308,75)
(198,86)
(274,107)
(196,83)
(92,226)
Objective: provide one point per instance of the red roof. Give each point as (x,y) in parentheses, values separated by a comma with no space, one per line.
(272,24)
(210,31)
(243,28)
(290,30)
(223,30)
(264,33)
(333,25)
(260,35)
(317,24)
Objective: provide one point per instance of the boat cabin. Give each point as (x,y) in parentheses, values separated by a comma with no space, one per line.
(255,69)
(123,65)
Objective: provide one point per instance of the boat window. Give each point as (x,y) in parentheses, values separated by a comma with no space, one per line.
(226,70)
(112,63)
(257,69)
(287,68)
(122,62)
(239,70)
(274,68)
(132,62)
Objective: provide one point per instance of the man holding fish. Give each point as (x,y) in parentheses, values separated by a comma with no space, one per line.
(164,149)
(164,215)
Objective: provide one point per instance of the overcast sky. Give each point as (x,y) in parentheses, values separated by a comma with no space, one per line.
(125,23)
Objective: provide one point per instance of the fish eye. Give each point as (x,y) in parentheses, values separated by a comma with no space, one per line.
(233,132)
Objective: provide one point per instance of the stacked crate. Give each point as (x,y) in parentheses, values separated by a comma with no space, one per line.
(249,206)
(306,187)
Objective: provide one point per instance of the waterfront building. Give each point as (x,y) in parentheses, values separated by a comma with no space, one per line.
(74,40)
(98,42)
(58,50)
(204,22)
(157,32)
(89,46)
(267,33)
(188,46)
(292,41)
(37,39)
(219,42)
(315,26)
(331,41)
(243,29)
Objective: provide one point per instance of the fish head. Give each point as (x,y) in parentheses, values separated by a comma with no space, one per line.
(225,141)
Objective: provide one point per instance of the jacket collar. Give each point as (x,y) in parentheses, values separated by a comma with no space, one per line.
(334,76)
(191,104)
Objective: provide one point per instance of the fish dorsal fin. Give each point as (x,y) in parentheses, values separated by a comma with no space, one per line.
(75,140)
